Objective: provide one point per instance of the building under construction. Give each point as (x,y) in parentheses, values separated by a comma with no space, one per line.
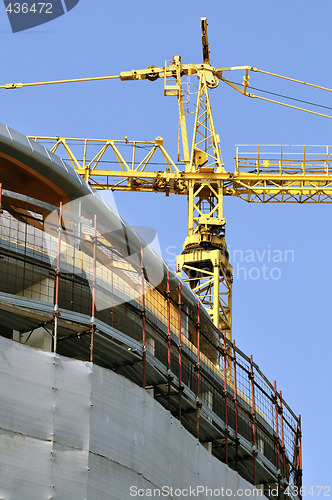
(114,374)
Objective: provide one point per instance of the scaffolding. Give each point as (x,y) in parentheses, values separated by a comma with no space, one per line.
(69,286)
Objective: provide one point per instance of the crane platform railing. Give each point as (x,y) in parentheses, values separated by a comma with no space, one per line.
(280,159)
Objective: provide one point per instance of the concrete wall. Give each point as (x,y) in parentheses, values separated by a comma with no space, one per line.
(71,430)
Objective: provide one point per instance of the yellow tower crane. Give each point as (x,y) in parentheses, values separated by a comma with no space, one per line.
(262,174)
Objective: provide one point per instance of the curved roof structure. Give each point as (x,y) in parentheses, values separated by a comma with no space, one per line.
(29,167)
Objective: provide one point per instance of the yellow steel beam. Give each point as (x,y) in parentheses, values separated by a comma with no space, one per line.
(285,180)
(10,86)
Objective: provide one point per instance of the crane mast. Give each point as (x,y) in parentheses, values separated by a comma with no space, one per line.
(204,258)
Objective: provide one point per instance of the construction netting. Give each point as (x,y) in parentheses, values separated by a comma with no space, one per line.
(94,286)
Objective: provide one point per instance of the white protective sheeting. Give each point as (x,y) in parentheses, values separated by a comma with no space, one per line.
(70,430)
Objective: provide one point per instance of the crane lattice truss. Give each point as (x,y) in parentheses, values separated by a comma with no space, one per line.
(278,174)
(263,174)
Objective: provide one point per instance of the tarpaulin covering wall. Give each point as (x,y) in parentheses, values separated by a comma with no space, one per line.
(72,430)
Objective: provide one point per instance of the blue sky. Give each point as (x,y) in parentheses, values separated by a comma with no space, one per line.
(285,322)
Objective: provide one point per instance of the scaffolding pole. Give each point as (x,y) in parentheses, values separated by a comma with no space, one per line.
(169,377)
(299,457)
(198,404)
(253,417)
(93,305)
(235,407)
(282,436)
(277,434)
(143,320)
(180,352)
(57,279)
(225,395)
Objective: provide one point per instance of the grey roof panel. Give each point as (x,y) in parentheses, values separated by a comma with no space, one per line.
(42,161)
